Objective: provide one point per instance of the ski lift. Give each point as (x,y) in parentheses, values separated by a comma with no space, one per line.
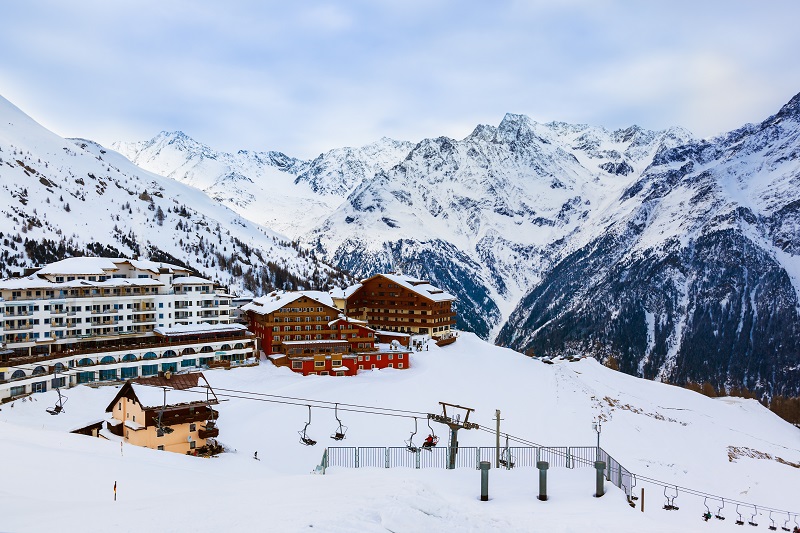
(718,514)
(304,438)
(161,429)
(431,440)
(772,526)
(59,407)
(796,525)
(785,525)
(739,522)
(631,497)
(670,503)
(707,515)
(752,520)
(341,430)
(410,446)
(506,459)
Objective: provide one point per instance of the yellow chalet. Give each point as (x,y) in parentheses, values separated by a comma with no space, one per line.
(161,413)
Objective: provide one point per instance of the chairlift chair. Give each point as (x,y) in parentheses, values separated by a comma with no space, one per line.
(304,438)
(341,430)
(59,406)
(752,520)
(431,440)
(410,446)
(785,525)
(739,522)
(161,429)
(707,515)
(670,503)
(772,526)
(506,459)
(718,514)
(631,497)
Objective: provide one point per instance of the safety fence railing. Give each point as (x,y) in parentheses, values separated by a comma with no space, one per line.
(471,457)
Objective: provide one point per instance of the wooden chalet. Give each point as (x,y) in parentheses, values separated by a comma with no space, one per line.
(170,412)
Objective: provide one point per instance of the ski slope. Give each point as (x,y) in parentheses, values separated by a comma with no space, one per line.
(62,481)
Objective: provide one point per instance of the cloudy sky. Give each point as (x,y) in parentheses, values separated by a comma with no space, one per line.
(303,77)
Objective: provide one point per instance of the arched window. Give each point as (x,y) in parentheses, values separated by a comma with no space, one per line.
(150,355)
(85,362)
(18,374)
(206,349)
(60,367)
(39,370)
(225,347)
(238,346)
(129,357)
(170,353)
(107,359)
(188,351)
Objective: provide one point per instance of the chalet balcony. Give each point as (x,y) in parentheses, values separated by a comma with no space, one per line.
(208,432)
(18,327)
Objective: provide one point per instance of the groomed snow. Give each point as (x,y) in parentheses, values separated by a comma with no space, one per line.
(653,429)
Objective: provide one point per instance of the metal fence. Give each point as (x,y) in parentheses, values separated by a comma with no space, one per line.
(470,457)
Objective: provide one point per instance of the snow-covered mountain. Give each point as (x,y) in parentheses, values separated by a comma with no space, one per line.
(269,188)
(674,257)
(695,276)
(73,197)
(481,217)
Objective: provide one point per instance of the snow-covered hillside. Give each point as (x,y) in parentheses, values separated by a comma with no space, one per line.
(65,197)
(728,447)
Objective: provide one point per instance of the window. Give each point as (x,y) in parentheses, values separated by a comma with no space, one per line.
(391,356)
(336,362)
(119,406)
(399,356)
(361,367)
(391,365)
(297,365)
(373,366)
(318,364)
(192,445)
(379,357)
(161,448)
(324,373)
(399,365)
(192,427)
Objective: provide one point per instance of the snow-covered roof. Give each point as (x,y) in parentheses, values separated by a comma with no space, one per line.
(342,318)
(74,266)
(316,341)
(344,293)
(270,303)
(339,368)
(35,282)
(136,426)
(420,286)
(190,280)
(149,396)
(392,333)
(195,329)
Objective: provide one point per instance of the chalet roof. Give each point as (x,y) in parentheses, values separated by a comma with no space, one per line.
(149,392)
(270,303)
(420,286)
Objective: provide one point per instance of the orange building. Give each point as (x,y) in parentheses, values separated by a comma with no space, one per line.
(395,302)
(159,413)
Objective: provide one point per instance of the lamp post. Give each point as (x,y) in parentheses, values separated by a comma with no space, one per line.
(597,427)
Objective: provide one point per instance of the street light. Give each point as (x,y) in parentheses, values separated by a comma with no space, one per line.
(597,427)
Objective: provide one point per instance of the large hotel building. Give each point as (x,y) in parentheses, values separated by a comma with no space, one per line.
(88,319)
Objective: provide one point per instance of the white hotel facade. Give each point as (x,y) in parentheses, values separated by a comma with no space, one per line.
(87,319)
